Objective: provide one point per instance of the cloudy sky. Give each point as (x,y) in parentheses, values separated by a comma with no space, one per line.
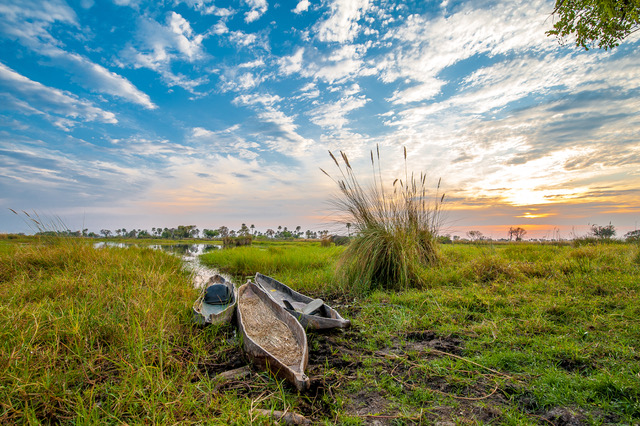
(137,114)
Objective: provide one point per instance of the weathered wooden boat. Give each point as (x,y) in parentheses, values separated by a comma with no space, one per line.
(313,314)
(272,338)
(217,302)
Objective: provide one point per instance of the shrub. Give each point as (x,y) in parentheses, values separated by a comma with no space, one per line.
(395,230)
(244,240)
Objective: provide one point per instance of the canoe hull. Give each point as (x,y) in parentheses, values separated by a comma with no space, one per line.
(327,318)
(262,357)
(205,313)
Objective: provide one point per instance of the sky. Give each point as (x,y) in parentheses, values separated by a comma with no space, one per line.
(140,114)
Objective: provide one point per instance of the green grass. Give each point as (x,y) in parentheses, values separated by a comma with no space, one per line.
(308,264)
(101,336)
(497,334)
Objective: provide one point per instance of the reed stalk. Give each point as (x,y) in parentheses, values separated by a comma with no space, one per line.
(395,228)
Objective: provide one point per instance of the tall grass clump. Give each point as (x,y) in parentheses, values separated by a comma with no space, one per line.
(395,229)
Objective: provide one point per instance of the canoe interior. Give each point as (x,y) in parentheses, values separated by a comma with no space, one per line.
(325,318)
(205,313)
(252,305)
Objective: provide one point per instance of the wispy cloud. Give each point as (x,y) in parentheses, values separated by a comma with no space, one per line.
(427,46)
(31,25)
(62,108)
(342,24)
(157,46)
(334,115)
(226,141)
(258,8)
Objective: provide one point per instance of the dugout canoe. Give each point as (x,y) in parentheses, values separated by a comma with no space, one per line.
(209,308)
(313,314)
(272,338)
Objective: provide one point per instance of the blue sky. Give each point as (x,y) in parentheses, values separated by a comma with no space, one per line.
(139,114)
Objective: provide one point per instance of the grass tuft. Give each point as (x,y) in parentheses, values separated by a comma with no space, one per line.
(395,229)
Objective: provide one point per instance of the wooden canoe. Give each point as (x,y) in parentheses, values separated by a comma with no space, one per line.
(206,313)
(324,318)
(272,338)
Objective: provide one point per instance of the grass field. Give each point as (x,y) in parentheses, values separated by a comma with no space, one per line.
(508,334)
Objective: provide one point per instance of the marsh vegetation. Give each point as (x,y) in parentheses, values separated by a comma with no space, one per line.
(505,334)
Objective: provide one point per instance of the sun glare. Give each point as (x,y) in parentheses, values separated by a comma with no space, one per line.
(530,215)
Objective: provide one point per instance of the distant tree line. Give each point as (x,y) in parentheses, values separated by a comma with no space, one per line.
(192,231)
(245,234)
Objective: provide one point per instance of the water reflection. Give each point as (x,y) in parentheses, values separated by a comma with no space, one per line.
(190,250)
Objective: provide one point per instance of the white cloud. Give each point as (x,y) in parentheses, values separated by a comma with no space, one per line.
(302,6)
(36,98)
(157,46)
(309,91)
(333,115)
(284,138)
(253,99)
(291,64)
(35,14)
(237,80)
(97,78)
(342,63)
(252,64)
(130,3)
(342,25)
(242,39)
(428,46)
(258,8)
(207,7)
(226,141)
(220,28)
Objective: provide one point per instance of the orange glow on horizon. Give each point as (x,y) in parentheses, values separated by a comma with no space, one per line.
(529,215)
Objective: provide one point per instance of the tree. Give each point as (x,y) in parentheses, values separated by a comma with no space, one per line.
(349,229)
(253,229)
(270,233)
(475,235)
(210,233)
(601,23)
(105,232)
(603,232)
(517,232)
(244,230)
(632,236)
(224,231)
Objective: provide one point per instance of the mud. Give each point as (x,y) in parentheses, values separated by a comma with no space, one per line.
(426,339)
